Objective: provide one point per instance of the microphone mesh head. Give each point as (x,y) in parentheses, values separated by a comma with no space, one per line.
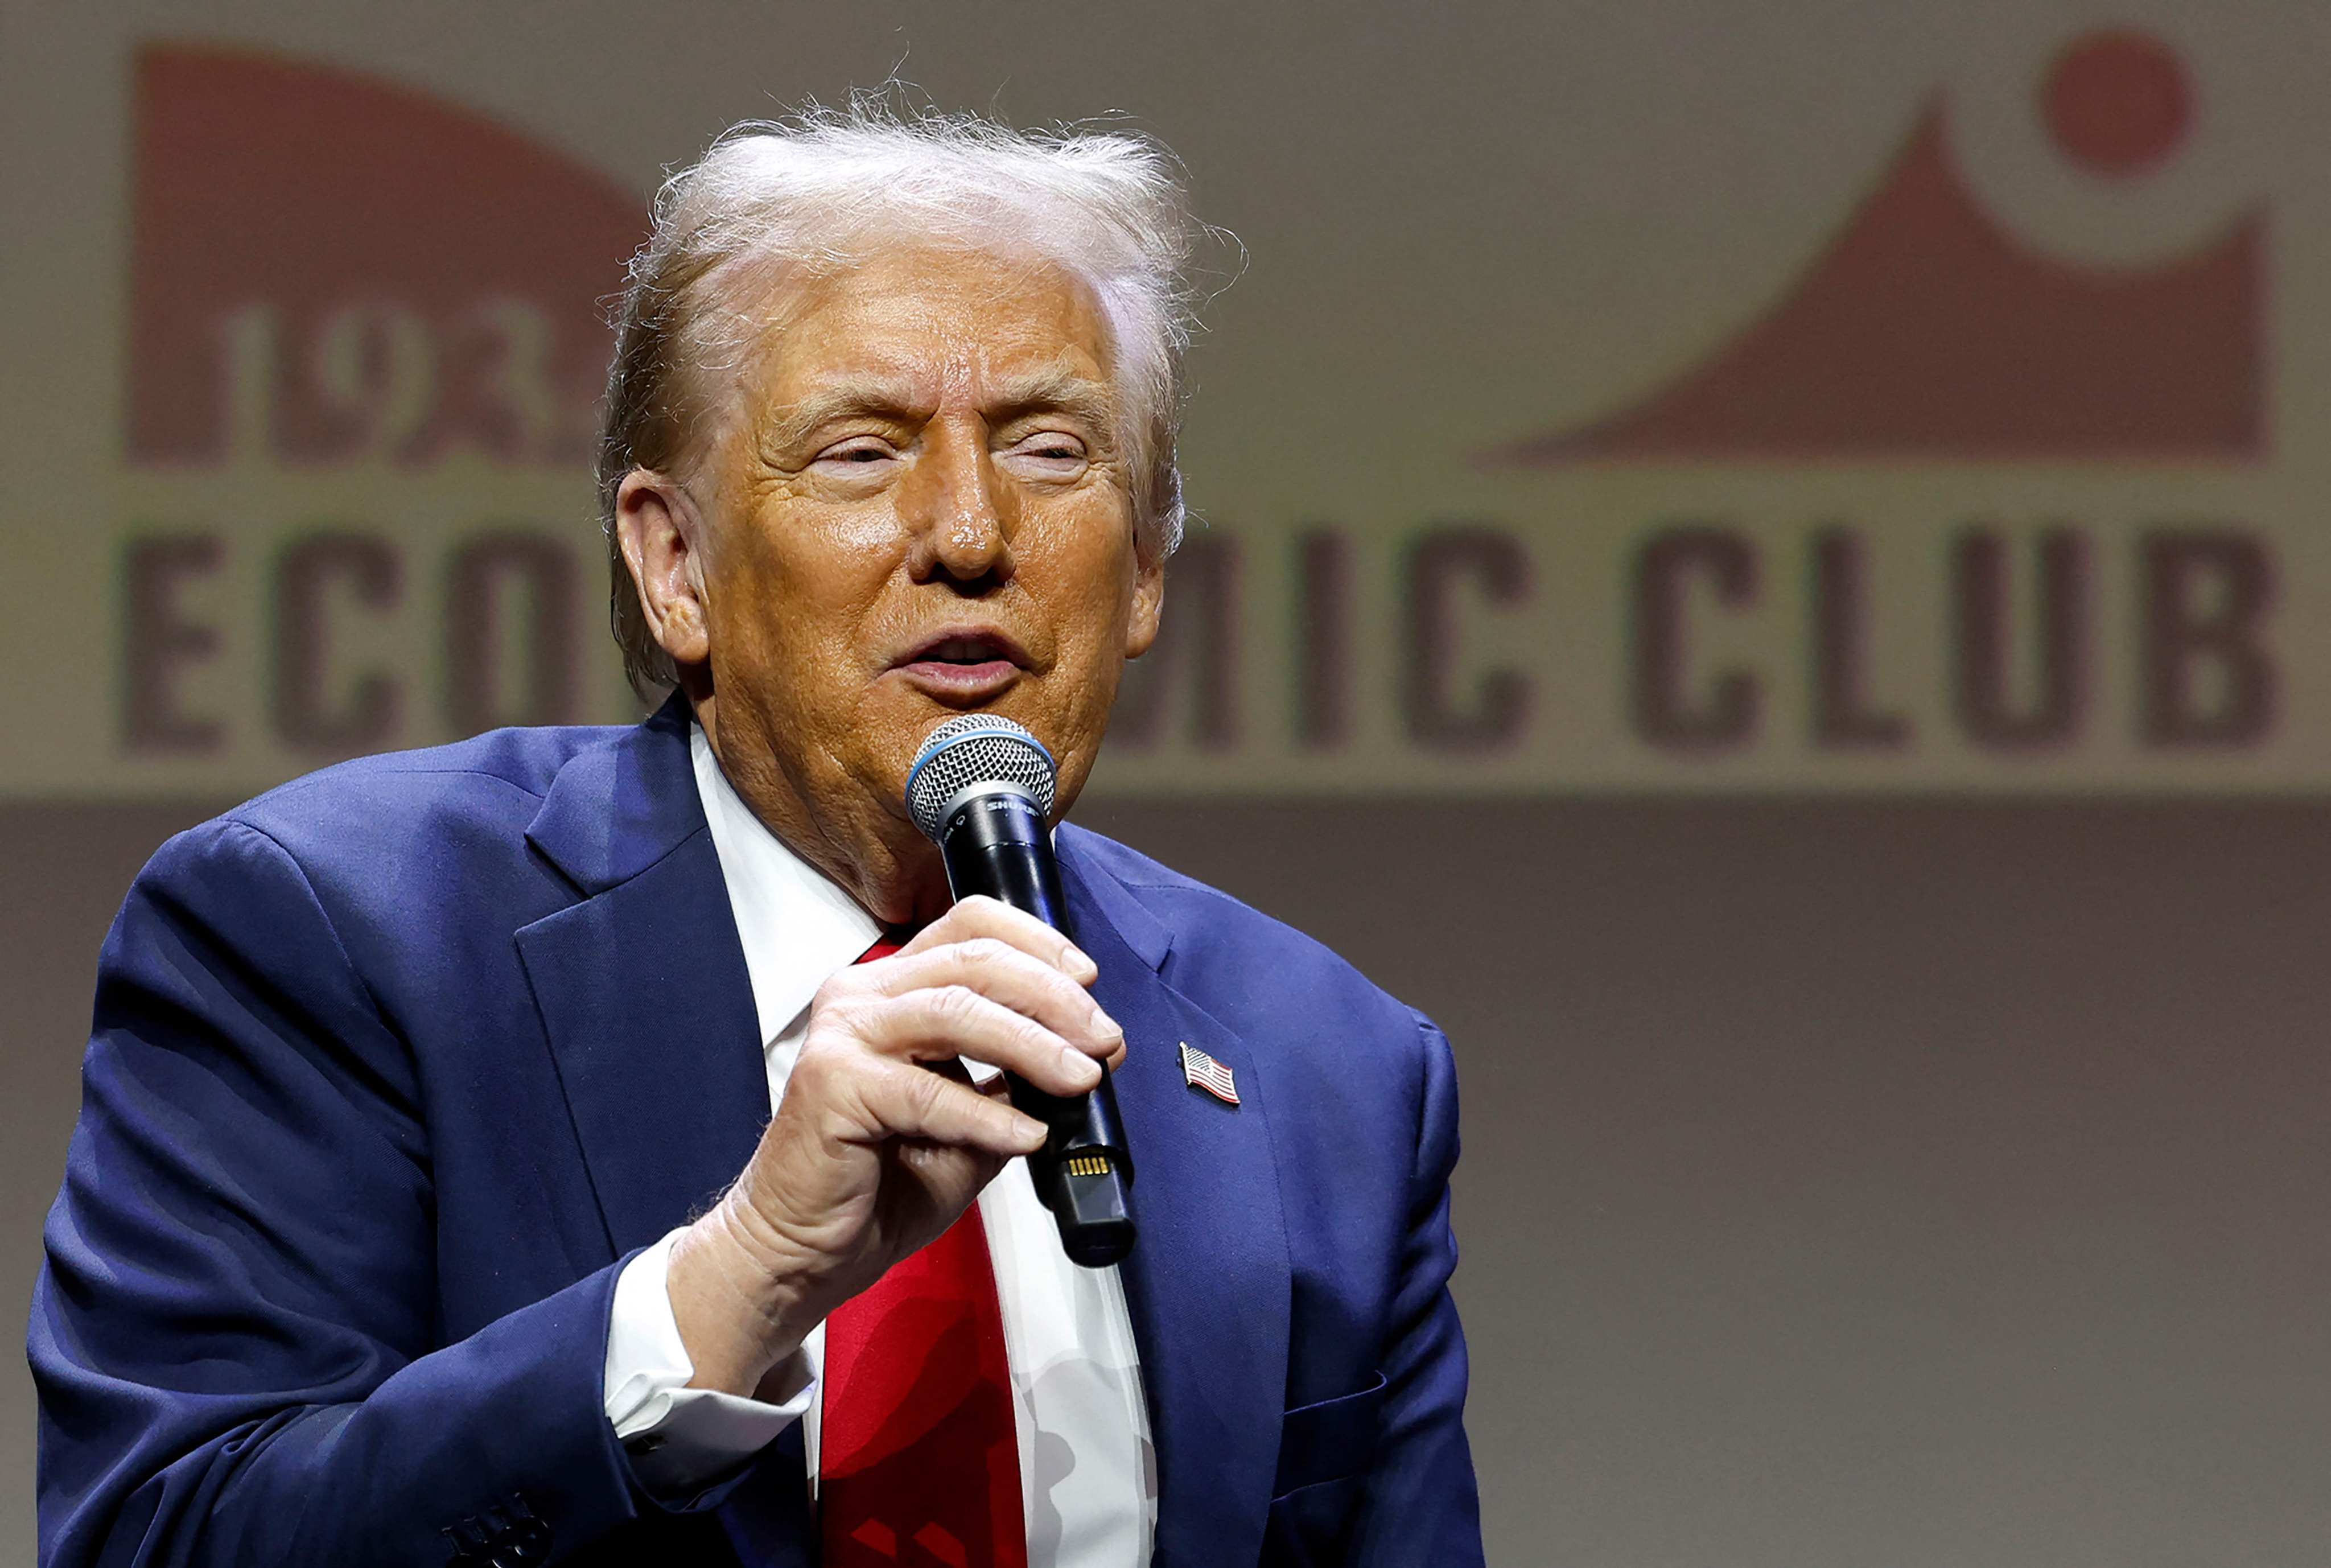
(975,749)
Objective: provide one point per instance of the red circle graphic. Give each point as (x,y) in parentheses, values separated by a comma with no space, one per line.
(2117,103)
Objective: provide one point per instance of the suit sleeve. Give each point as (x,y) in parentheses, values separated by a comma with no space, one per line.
(233,1336)
(1422,1503)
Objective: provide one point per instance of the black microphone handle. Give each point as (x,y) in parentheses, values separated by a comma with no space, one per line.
(994,842)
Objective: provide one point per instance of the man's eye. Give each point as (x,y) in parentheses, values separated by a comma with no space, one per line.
(859,455)
(1052,449)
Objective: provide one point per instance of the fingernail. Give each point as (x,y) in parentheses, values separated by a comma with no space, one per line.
(1082,1068)
(1081,965)
(1107,1028)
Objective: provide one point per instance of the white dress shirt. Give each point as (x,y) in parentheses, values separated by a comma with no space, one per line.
(1087,1474)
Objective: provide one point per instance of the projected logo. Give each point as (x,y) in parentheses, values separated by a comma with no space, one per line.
(366,341)
(1928,330)
(1984,494)
(1931,333)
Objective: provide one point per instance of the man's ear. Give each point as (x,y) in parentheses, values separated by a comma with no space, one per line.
(1148,603)
(662,539)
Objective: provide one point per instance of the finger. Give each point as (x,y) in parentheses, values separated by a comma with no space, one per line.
(955,1021)
(981,915)
(904,1100)
(1004,974)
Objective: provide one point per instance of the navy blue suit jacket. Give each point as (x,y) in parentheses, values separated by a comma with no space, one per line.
(393,1068)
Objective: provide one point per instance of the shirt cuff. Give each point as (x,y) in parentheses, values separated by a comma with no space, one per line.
(679,1439)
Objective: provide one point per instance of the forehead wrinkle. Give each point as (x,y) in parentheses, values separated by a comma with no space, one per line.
(908,349)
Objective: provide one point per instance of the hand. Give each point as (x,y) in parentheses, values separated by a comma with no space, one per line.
(881,1140)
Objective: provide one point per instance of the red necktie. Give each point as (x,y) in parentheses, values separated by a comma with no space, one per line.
(918,1461)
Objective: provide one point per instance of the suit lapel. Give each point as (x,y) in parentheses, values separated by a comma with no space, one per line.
(646,1002)
(641,986)
(649,1009)
(1208,1284)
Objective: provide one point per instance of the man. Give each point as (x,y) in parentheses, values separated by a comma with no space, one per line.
(427,1203)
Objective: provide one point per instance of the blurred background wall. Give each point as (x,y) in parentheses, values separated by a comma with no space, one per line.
(1765,564)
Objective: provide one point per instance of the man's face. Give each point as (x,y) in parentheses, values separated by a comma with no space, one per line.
(921,511)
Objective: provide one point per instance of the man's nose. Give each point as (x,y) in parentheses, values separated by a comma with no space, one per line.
(954,506)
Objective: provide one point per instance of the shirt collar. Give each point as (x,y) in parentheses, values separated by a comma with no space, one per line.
(797,927)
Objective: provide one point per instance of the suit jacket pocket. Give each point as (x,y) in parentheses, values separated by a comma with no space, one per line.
(1329,1440)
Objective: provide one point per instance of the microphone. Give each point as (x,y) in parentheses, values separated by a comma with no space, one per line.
(981,789)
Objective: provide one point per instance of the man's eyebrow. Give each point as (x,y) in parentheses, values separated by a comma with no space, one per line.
(1011,397)
(880,398)
(1059,388)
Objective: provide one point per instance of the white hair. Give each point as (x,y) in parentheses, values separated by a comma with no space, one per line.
(824,190)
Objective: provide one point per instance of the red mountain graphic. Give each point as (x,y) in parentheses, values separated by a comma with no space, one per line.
(1926,331)
(393,277)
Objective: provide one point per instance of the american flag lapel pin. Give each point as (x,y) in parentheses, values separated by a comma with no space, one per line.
(1200,1071)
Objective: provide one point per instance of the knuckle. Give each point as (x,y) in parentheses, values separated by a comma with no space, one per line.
(814,1068)
(926,1093)
(993,915)
(955,1005)
(832,1019)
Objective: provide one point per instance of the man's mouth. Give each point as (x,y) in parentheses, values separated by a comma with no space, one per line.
(963,651)
(965,663)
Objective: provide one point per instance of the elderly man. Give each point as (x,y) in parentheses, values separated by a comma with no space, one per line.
(427,1203)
